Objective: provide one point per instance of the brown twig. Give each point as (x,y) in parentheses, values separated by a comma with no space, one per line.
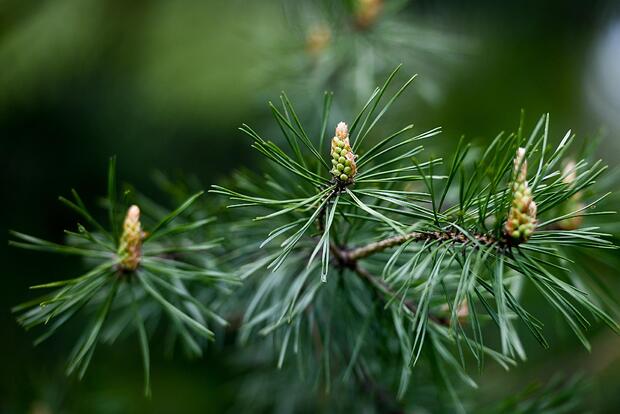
(371,248)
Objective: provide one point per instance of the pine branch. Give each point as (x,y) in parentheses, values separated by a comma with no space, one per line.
(136,277)
(483,228)
(455,269)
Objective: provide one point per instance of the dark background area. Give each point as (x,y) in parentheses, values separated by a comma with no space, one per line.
(164,85)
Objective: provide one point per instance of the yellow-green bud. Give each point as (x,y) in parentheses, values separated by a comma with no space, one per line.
(317,39)
(343,158)
(367,12)
(462,311)
(130,246)
(521,220)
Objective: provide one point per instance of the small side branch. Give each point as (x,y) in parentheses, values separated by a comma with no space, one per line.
(388,293)
(344,260)
(376,247)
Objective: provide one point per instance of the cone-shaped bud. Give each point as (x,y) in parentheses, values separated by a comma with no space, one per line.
(462,311)
(367,12)
(343,159)
(318,39)
(572,204)
(130,245)
(521,220)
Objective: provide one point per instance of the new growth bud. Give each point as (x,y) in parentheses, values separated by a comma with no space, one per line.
(343,159)
(130,245)
(318,39)
(367,12)
(522,216)
(462,312)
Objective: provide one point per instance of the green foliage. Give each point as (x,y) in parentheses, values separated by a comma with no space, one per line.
(116,300)
(416,249)
(348,46)
(451,268)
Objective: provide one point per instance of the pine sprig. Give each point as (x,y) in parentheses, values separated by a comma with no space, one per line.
(437,250)
(315,192)
(135,276)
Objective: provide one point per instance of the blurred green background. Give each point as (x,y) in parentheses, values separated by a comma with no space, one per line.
(164,85)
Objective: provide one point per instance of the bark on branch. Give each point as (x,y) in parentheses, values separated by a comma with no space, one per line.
(371,248)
